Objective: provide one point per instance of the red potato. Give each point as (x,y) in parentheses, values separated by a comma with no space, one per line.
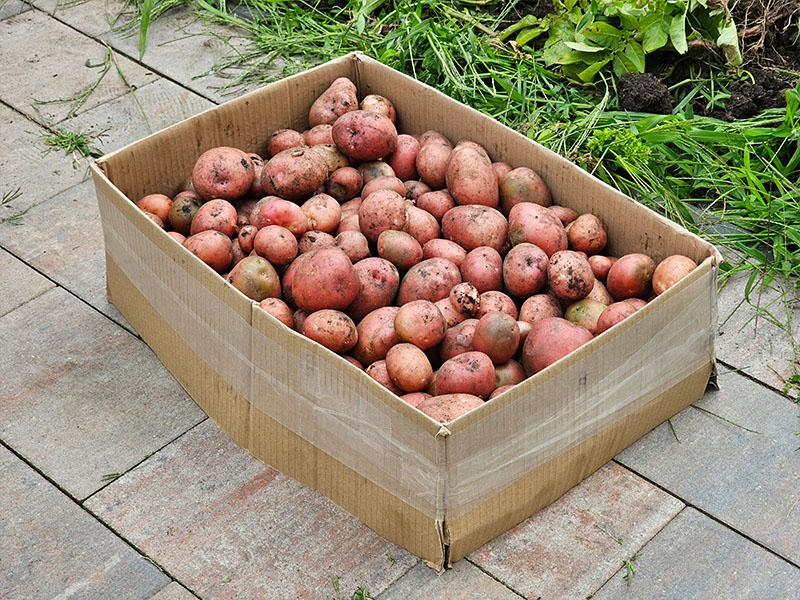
(237,253)
(353,362)
(272,210)
(215,214)
(344,183)
(439,248)
(378,281)
(287,278)
(351,207)
(256,278)
(585,313)
(315,240)
(379,104)
(524,330)
(332,156)
(339,98)
(466,299)
(408,367)
(550,340)
(246,238)
(432,136)
(403,159)
(349,223)
(564,214)
(223,172)
(364,135)
(472,226)
(601,265)
(323,212)
(212,247)
(501,169)
(319,134)
(538,307)
(278,309)
(420,323)
(468,373)
(569,275)
(157,204)
(415,188)
(432,279)
(458,339)
(523,185)
(498,391)
(670,271)
(587,234)
(389,182)
(178,237)
(508,374)
(299,318)
(373,169)
(497,336)
(431,164)
(332,329)
(483,268)
(436,202)
(613,314)
(354,244)
(415,398)
(451,316)
(529,222)
(600,293)
(243,211)
(448,407)
(155,219)
(381,211)
(470,178)
(326,279)
(494,300)
(630,276)
(524,270)
(399,248)
(379,373)
(277,244)
(182,212)
(376,335)
(283,139)
(637,303)
(295,174)
(422,225)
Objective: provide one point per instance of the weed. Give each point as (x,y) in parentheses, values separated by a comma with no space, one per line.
(392,559)
(360,593)
(629,570)
(620,541)
(8,198)
(77,144)
(713,414)
(674,433)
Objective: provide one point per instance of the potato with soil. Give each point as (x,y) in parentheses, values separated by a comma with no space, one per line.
(497,336)
(415,188)
(670,271)
(569,275)
(379,373)
(373,169)
(344,183)
(550,340)
(272,210)
(387,182)
(631,276)
(468,373)
(331,328)
(381,211)
(539,307)
(339,98)
(458,339)
(495,300)
(403,159)
(213,248)
(469,176)
(408,367)
(422,225)
(448,407)
(332,157)
(565,215)
(318,135)
(432,279)
(587,234)
(483,268)
(246,238)
(529,222)
(256,278)
(216,214)
(354,244)
(601,265)
(283,139)
(376,335)
(466,299)
(431,164)
(472,226)
(523,185)
(278,309)
(381,105)
(508,373)
(157,204)
(613,314)
(439,248)
(223,172)
(315,240)
(436,202)
(420,323)
(585,313)
(524,270)
(399,248)
(295,173)
(182,212)
(277,244)
(378,281)
(323,213)
(363,135)
(326,279)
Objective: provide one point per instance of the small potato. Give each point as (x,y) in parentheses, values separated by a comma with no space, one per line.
(363,135)
(283,139)
(315,240)
(373,169)
(326,279)
(376,335)
(472,226)
(600,293)
(564,214)
(379,373)
(422,225)
(246,237)
(353,362)
(431,164)
(508,373)
(384,183)
(587,234)
(432,279)
(157,204)
(400,249)
(331,328)
(436,202)
(448,407)
(223,172)
(432,136)
(339,98)
(256,278)
(670,271)
(295,174)
(601,265)
(538,307)
(155,219)
(212,247)
(182,212)
(501,169)
(415,398)
(569,275)
(379,104)
(237,254)
(354,244)
(585,313)
(344,183)
(415,188)
(467,373)
(378,281)
(499,391)
(451,316)
(497,336)
(613,314)
(631,276)
(323,212)
(494,300)
(408,367)
(529,222)
(215,214)
(420,323)
(381,211)
(319,134)
(439,248)
(272,210)
(470,178)
(524,270)
(466,299)
(244,210)
(278,309)
(332,157)
(550,340)
(403,159)
(523,185)
(277,244)
(483,268)
(178,237)
(458,339)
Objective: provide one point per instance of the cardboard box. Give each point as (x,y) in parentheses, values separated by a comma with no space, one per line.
(439,491)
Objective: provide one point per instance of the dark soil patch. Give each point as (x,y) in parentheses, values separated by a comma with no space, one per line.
(768,32)
(643,92)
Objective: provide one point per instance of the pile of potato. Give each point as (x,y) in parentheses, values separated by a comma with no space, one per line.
(444,275)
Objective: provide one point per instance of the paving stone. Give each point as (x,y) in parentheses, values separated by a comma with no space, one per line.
(92,17)
(696,557)
(751,481)
(81,397)
(60,63)
(174,591)
(24,167)
(760,346)
(571,548)
(52,549)
(20,283)
(464,581)
(9,8)
(226,525)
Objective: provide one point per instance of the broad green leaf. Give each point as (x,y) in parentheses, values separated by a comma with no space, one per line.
(603,34)
(526,21)
(526,35)
(553,53)
(627,64)
(655,37)
(635,53)
(586,20)
(589,72)
(677,33)
(583,47)
(728,40)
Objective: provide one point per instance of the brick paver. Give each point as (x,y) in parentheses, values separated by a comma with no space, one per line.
(174,591)
(464,581)
(25,283)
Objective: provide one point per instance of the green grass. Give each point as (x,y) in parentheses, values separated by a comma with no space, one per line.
(77,144)
(15,218)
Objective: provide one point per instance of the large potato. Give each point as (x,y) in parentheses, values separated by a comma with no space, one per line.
(295,173)
(277,244)
(331,328)
(529,222)
(378,281)
(469,176)
(467,373)
(472,226)
(326,279)
(448,407)
(431,280)
(339,98)
(364,135)
(223,172)
(550,340)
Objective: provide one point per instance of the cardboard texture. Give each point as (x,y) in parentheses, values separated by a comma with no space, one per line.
(439,491)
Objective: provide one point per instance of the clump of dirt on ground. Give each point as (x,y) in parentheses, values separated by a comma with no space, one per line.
(643,92)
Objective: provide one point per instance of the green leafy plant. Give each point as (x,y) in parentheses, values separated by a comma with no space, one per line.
(587,36)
